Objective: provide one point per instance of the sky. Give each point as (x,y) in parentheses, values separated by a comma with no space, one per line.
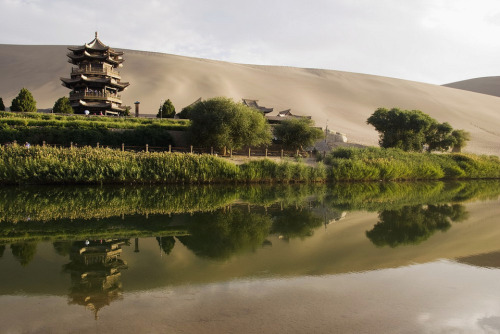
(432,41)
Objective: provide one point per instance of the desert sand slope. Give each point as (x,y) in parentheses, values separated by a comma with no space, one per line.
(343,99)
(486,85)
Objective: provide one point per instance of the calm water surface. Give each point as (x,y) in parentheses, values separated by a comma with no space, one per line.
(352,258)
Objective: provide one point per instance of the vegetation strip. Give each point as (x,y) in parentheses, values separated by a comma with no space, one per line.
(48,165)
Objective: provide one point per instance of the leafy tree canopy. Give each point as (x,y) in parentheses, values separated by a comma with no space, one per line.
(2,106)
(414,131)
(167,110)
(24,102)
(63,106)
(186,112)
(220,122)
(298,132)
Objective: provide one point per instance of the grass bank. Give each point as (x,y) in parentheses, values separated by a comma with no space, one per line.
(48,165)
(373,164)
(36,128)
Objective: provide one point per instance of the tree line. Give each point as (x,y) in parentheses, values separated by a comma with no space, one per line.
(220,122)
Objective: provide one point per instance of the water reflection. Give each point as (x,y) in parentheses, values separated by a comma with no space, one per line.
(414,224)
(95,270)
(220,235)
(24,252)
(213,234)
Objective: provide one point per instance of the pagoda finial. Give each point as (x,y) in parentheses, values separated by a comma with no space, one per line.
(96,34)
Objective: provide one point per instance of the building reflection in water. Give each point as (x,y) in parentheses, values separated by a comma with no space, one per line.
(95,270)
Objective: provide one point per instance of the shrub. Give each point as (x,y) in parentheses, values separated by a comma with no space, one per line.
(167,110)
(63,106)
(24,102)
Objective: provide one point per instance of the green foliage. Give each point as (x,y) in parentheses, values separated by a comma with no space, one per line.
(295,223)
(65,213)
(220,235)
(140,136)
(41,119)
(268,171)
(86,122)
(461,137)
(414,224)
(2,106)
(413,131)
(24,102)
(352,164)
(166,244)
(92,165)
(63,106)
(127,111)
(220,122)
(166,110)
(57,129)
(296,133)
(186,112)
(24,252)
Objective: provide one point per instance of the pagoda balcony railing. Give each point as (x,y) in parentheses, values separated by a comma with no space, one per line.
(98,71)
(96,96)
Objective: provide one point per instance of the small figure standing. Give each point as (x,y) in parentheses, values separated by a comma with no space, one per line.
(27,145)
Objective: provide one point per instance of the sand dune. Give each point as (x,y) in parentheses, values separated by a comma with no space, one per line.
(486,85)
(344,100)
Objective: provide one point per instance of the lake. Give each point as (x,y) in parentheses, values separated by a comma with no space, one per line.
(420,257)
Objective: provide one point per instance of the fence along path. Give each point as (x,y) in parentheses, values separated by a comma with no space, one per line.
(249,152)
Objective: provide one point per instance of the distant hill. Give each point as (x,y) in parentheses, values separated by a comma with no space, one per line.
(344,100)
(486,85)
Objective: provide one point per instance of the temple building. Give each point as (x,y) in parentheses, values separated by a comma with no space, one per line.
(253,104)
(95,81)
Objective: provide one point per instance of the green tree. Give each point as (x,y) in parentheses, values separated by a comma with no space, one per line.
(221,122)
(127,111)
(461,137)
(439,138)
(411,130)
(2,106)
(166,110)
(297,132)
(186,112)
(24,102)
(63,106)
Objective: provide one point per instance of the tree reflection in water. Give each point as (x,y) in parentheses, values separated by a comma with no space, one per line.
(295,223)
(220,235)
(24,252)
(166,244)
(414,224)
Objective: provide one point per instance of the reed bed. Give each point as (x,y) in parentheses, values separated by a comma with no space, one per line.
(86,165)
(374,164)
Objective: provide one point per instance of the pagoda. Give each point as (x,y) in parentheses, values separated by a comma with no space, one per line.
(95,81)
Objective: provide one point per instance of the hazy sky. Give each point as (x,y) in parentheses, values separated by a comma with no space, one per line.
(434,41)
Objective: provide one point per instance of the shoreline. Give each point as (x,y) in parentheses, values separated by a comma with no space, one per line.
(87,165)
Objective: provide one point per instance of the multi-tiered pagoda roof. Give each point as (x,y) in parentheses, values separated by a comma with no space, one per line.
(95,81)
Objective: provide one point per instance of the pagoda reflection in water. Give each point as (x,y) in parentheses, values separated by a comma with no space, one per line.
(95,270)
